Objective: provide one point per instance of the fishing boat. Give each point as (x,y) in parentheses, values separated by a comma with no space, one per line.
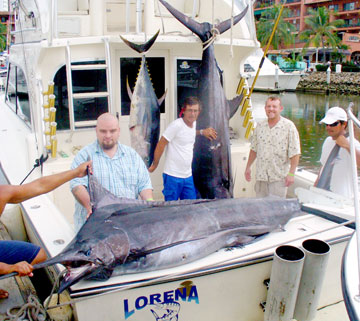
(271,78)
(67,65)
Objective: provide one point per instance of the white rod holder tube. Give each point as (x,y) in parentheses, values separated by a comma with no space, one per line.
(284,283)
(316,257)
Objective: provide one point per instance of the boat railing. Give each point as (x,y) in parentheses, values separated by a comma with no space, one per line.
(69,18)
(99,17)
(353,120)
(56,19)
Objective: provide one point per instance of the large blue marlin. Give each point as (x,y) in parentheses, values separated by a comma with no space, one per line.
(145,236)
(212,159)
(144,121)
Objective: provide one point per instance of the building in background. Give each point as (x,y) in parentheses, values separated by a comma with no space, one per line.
(349,33)
(6,19)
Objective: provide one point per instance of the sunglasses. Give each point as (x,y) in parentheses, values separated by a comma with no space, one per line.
(334,124)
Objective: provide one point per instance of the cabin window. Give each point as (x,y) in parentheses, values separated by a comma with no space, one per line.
(129,68)
(248,68)
(89,82)
(17,96)
(188,74)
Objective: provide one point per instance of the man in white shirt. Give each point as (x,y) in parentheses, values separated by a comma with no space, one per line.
(179,138)
(339,166)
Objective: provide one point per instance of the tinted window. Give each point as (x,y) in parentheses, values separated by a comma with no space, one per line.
(188,74)
(11,87)
(22,96)
(17,95)
(84,81)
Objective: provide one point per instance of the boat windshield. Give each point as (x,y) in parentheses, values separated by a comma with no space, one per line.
(17,96)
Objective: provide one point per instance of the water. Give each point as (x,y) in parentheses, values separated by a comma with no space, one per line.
(306,110)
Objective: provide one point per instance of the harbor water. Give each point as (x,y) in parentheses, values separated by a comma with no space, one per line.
(306,110)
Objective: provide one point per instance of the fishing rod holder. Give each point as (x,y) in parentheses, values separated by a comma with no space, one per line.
(296,280)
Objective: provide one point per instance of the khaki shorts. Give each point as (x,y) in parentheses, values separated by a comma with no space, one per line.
(263,189)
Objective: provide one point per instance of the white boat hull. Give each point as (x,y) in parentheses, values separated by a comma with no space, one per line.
(350,279)
(286,82)
(226,285)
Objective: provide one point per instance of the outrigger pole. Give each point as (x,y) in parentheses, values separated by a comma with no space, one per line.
(246,100)
(267,48)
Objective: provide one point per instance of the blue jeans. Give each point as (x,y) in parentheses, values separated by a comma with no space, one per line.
(175,188)
(12,252)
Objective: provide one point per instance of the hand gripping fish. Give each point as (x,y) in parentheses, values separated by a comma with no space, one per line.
(145,108)
(144,236)
(212,159)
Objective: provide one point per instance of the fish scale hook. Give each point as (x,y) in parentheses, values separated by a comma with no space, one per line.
(214,32)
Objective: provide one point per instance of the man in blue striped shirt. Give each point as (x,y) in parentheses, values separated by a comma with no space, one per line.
(117,167)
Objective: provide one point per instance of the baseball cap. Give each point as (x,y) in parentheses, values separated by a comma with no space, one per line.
(333,115)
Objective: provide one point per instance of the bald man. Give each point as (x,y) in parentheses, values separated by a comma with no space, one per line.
(117,167)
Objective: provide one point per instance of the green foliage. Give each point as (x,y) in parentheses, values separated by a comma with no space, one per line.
(349,66)
(323,67)
(283,33)
(3,31)
(321,32)
(346,67)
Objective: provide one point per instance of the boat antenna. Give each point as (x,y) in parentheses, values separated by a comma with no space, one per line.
(267,48)
(231,29)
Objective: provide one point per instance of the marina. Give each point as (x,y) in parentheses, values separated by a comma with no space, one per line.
(271,78)
(68,65)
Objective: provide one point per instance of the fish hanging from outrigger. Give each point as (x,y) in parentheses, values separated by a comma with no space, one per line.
(212,159)
(143,236)
(144,121)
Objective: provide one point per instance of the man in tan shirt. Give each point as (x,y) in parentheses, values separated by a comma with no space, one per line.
(275,145)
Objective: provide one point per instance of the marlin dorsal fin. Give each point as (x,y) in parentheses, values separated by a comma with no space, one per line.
(234,105)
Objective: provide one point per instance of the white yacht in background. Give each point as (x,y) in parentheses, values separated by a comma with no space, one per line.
(73,49)
(271,77)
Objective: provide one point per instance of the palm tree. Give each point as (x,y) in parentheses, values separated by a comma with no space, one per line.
(3,31)
(321,32)
(284,30)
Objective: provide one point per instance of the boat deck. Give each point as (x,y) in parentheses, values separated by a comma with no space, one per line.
(19,288)
(333,312)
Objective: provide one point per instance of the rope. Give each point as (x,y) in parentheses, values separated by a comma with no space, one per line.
(56,284)
(214,32)
(32,311)
(161,17)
